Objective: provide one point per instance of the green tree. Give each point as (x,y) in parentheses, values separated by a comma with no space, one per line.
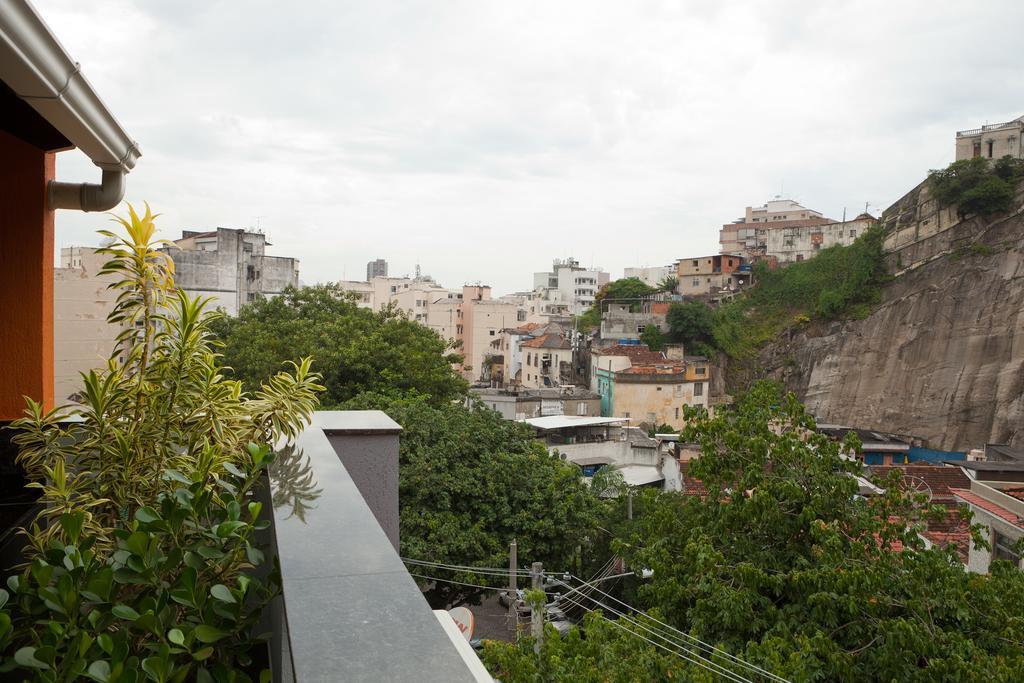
(669,283)
(471,482)
(976,186)
(653,337)
(356,349)
(625,288)
(783,565)
(691,322)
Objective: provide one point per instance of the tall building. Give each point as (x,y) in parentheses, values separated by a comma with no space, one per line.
(568,288)
(376,268)
(748,236)
(230,266)
(82,300)
(992,141)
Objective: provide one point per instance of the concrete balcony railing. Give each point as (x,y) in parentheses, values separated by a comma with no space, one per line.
(349,610)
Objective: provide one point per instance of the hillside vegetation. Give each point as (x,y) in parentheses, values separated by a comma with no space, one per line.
(840,282)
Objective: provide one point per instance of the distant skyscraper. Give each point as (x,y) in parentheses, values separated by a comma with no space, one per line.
(378,268)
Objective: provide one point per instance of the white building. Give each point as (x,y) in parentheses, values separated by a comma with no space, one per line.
(802,242)
(651,276)
(568,288)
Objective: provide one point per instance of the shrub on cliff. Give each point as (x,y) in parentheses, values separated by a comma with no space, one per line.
(975,186)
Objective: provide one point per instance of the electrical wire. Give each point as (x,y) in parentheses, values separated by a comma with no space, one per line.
(498,571)
(458,583)
(691,657)
(692,640)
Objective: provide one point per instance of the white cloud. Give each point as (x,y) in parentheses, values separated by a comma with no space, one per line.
(483,138)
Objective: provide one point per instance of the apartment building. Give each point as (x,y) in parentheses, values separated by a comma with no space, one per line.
(376,268)
(231,267)
(992,141)
(480,320)
(567,289)
(747,236)
(547,360)
(658,394)
(82,338)
(652,276)
(802,242)
(712,276)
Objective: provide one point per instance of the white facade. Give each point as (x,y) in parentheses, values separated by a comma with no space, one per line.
(651,276)
(799,243)
(569,286)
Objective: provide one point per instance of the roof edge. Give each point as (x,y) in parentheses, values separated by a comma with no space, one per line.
(39,70)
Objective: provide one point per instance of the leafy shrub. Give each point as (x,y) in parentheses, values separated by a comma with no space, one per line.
(975,186)
(653,337)
(143,554)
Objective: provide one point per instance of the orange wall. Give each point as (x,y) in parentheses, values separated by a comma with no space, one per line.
(26,276)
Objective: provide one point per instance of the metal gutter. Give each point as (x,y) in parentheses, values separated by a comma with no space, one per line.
(36,67)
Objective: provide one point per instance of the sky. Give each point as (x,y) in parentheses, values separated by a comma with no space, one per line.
(481,139)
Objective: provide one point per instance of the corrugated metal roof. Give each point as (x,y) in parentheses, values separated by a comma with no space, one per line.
(564,421)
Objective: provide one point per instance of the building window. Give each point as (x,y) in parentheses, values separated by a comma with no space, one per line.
(699,371)
(520,316)
(853,233)
(492,333)
(799,257)
(696,263)
(989,149)
(659,388)
(581,408)
(1004,547)
(677,413)
(250,296)
(698,389)
(696,282)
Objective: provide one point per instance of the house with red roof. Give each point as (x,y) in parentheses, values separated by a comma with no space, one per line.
(1001,512)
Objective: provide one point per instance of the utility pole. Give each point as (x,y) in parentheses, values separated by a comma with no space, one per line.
(537,607)
(629,504)
(513,617)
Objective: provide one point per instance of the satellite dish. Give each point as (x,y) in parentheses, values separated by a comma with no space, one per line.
(911,484)
(464,619)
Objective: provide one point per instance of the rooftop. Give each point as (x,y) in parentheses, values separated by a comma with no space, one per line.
(565,421)
(870,439)
(548,341)
(990,507)
(637,353)
(940,479)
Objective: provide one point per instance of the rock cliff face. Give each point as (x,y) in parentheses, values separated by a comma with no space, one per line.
(942,356)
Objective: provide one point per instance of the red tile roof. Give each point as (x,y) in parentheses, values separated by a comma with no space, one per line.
(940,479)
(676,368)
(959,537)
(990,507)
(547,341)
(637,353)
(691,485)
(1016,492)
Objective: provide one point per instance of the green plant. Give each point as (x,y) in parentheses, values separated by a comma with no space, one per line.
(977,186)
(150,487)
(174,601)
(653,337)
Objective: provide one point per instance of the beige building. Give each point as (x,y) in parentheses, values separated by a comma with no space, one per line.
(547,360)
(654,395)
(992,141)
(799,243)
(480,320)
(82,338)
(652,276)
(712,276)
(747,236)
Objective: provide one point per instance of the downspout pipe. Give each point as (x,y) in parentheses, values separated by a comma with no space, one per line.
(88,196)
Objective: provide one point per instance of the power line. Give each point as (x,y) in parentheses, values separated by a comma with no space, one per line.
(693,640)
(695,659)
(458,583)
(496,571)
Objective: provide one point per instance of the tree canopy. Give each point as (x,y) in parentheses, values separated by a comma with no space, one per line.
(976,185)
(785,566)
(625,288)
(354,349)
(471,482)
(692,323)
